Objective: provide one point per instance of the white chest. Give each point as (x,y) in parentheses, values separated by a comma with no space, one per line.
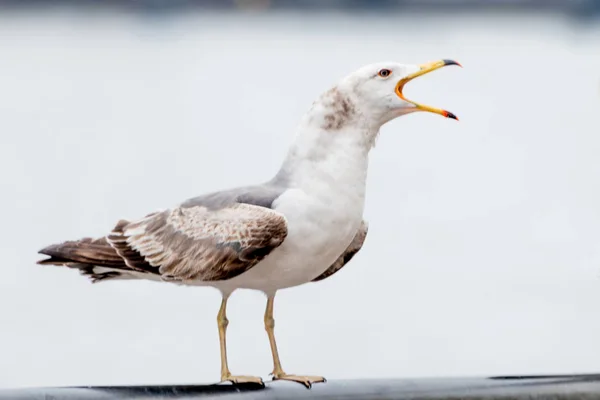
(324,226)
(318,232)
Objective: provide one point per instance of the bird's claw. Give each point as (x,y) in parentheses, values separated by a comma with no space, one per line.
(241,379)
(305,380)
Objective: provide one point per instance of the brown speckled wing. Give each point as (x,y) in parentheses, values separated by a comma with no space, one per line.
(347,255)
(197,243)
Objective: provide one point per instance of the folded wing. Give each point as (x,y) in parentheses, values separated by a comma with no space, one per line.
(196,243)
(186,243)
(344,258)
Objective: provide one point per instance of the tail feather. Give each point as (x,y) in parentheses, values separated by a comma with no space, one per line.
(87,251)
(94,258)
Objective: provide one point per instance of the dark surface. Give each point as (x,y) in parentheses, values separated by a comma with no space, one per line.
(519,387)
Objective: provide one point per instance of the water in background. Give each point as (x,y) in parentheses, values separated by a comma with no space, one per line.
(483,255)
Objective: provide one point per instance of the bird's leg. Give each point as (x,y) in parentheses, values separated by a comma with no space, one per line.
(222,322)
(270,328)
(278,372)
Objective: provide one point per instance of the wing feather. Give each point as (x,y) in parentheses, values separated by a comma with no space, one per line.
(348,254)
(198,243)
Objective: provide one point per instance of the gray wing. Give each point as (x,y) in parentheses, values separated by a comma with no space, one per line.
(347,255)
(260,195)
(209,238)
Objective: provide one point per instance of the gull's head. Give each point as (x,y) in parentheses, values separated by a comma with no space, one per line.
(376,90)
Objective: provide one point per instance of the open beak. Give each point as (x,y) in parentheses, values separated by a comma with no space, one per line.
(424,69)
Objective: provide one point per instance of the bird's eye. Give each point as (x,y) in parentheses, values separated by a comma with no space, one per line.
(384,73)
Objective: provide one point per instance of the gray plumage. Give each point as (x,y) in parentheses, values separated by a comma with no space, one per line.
(258,195)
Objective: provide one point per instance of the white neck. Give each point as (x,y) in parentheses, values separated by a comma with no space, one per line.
(331,148)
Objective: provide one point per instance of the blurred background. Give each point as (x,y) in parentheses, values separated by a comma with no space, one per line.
(483,255)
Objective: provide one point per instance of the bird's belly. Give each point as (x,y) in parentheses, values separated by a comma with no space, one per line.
(300,259)
(316,238)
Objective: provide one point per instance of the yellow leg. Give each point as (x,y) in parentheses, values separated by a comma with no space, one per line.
(278,372)
(222,322)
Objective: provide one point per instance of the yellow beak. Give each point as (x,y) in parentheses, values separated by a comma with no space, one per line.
(424,69)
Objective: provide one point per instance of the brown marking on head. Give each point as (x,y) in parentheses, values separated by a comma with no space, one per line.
(340,110)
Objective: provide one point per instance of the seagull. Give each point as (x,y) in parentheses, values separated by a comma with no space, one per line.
(301,226)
